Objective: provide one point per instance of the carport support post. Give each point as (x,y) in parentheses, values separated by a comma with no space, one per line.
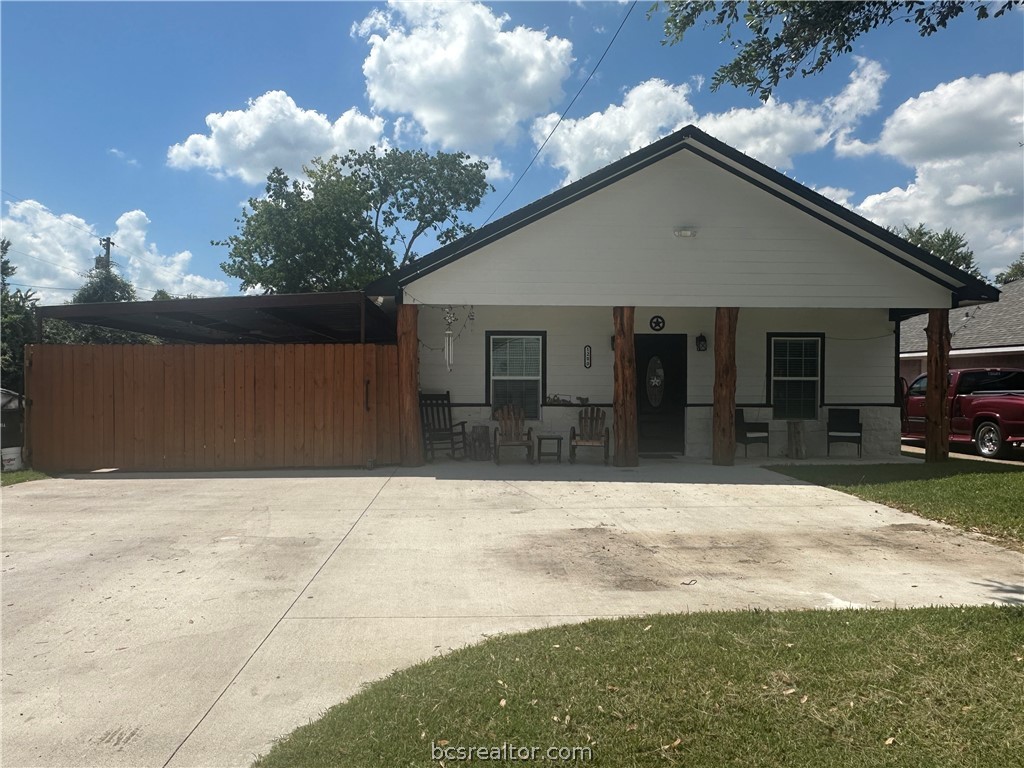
(936,402)
(723,414)
(409,386)
(624,395)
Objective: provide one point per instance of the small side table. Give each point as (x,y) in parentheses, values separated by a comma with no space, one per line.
(556,453)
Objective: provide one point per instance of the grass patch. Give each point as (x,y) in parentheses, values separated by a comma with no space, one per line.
(974,495)
(920,687)
(20,476)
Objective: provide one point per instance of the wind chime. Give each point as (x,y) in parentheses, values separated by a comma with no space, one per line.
(449,340)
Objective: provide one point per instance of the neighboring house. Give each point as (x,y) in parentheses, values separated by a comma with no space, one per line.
(985,336)
(674,231)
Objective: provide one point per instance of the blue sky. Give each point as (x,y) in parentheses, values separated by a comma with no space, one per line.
(153,123)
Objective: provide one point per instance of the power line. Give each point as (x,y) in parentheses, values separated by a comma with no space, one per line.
(62,221)
(137,287)
(53,263)
(43,287)
(564,113)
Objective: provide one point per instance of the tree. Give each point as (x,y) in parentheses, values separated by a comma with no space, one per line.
(1013,272)
(162,295)
(6,268)
(948,245)
(803,37)
(17,325)
(304,238)
(102,284)
(411,193)
(352,220)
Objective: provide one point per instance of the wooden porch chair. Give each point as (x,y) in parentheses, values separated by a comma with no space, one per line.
(844,426)
(751,432)
(438,428)
(510,432)
(592,433)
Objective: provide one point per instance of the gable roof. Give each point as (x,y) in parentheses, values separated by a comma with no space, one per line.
(986,326)
(965,288)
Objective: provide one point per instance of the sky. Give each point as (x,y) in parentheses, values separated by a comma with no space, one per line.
(155,123)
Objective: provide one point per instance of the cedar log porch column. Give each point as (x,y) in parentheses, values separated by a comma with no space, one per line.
(936,402)
(723,415)
(411,431)
(624,396)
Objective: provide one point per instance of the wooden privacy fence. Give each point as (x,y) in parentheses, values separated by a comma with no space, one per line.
(223,406)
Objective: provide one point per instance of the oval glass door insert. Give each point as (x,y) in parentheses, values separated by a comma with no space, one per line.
(655,381)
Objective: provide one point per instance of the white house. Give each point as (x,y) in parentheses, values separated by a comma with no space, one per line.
(671,235)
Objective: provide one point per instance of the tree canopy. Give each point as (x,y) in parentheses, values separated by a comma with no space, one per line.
(161,295)
(947,245)
(1013,272)
(790,38)
(17,325)
(104,285)
(352,220)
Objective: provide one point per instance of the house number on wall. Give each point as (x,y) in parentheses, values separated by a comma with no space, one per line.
(586,356)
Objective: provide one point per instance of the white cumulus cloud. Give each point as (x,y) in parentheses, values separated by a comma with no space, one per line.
(649,111)
(773,132)
(53,252)
(272,131)
(466,80)
(962,141)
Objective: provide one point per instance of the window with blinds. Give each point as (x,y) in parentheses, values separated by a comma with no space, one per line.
(516,365)
(795,376)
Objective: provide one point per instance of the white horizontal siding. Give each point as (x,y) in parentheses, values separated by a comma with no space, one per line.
(616,247)
(568,331)
(859,354)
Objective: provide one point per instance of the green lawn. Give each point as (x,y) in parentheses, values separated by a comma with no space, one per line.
(920,687)
(20,476)
(974,495)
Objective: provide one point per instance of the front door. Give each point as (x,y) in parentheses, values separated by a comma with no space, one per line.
(661,392)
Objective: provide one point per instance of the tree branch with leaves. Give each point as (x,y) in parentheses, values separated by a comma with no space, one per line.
(352,220)
(791,38)
(950,246)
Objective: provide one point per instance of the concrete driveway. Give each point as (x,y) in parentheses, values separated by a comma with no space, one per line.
(191,620)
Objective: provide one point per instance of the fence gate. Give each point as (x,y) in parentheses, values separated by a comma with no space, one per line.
(211,406)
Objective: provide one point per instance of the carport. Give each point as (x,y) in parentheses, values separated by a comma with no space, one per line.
(277,381)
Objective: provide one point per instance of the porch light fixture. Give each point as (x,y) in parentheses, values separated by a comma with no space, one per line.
(702,343)
(685,231)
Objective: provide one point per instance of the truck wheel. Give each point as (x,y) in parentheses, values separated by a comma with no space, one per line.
(988,439)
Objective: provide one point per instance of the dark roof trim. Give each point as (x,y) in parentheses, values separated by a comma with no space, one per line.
(822,218)
(970,283)
(966,287)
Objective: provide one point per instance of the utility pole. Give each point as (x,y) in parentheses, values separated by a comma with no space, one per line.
(103,262)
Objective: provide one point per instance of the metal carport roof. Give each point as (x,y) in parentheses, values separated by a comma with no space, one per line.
(346,317)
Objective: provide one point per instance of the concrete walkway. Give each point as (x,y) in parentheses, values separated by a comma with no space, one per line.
(179,620)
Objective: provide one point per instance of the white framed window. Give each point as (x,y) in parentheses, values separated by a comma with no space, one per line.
(796,375)
(515,370)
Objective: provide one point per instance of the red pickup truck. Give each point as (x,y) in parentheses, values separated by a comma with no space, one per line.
(986,406)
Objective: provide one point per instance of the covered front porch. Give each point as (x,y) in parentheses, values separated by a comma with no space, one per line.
(670,378)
